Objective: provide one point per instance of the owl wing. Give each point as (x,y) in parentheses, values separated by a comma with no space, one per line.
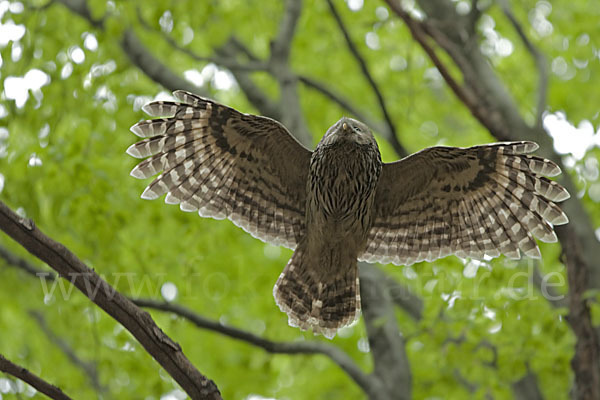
(224,164)
(476,201)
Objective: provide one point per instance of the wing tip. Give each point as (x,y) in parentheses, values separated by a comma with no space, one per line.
(148,194)
(137,173)
(563,195)
(148,108)
(133,151)
(137,130)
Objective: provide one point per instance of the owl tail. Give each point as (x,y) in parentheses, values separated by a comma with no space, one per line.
(322,297)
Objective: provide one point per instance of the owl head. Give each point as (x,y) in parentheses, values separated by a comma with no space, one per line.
(350,130)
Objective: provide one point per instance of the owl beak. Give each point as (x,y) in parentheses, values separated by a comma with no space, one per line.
(344,126)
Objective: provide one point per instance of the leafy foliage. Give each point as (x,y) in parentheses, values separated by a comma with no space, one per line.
(63,164)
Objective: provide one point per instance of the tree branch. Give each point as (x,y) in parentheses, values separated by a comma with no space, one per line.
(38,383)
(488,100)
(230,50)
(404,298)
(385,340)
(390,132)
(23,264)
(419,33)
(342,102)
(230,64)
(279,67)
(137,52)
(336,355)
(141,57)
(164,350)
(88,368)
(538,57)
(281,46)
(527,387)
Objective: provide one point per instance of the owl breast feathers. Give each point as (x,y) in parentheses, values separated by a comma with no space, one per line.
(340,203)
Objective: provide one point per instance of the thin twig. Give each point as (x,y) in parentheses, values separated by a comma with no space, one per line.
(392,135)
(540,62)
(281,46)
(313,347)
(342,102)
(228,63)
(88,368)
(38,383)
(419,33)
(21,263)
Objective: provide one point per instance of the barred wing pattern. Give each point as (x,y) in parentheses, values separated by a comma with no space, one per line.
(225,164)
(483,200)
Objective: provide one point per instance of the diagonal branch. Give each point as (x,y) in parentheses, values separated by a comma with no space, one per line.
(281,46)
(538,57)
(38,383)
(164,350)
(366,382)
(23,264)
(279,67)
(390,132)
(229,63)
(136,51)
(487,98)
(386,342)
(341,101)
(419,32)
(152,66)
(88,368)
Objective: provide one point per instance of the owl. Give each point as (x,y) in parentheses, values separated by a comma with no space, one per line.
(340,203)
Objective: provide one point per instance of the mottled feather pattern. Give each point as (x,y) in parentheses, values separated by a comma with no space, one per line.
(312,300)
(473,202)
(223,164)
(340,203)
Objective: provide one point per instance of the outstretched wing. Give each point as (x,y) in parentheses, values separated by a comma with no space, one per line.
(476,201)
(224,164)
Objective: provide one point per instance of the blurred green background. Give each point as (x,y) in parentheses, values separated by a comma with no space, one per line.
(70,92)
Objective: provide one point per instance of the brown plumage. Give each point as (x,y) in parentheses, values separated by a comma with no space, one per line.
(340,203)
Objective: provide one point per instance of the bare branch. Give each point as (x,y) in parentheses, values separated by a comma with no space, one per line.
(538,57)
(527,387)
(489,101)
(88,368)
(390,132)
(385,340)
(404,298)
(585,362)
(152,66)
(23,264)
(231,64)
(81,8)
(281,46)
(279,67)
(38,383)
(420,32)
(342,102)
(230,50)
(363,380)
(137,52)
(164,350)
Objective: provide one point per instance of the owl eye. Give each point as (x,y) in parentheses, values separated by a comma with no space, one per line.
(357,129)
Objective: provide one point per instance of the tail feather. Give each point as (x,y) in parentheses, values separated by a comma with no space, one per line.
(314,297)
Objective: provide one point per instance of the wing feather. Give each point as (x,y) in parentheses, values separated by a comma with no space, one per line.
(473,202)
(224,164)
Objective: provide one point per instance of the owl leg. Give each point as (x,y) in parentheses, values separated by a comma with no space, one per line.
(323,298)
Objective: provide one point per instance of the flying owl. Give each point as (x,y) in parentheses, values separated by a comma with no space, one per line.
(340,203)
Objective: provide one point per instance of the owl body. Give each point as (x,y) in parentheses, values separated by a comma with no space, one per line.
(339,203)
(343,175)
